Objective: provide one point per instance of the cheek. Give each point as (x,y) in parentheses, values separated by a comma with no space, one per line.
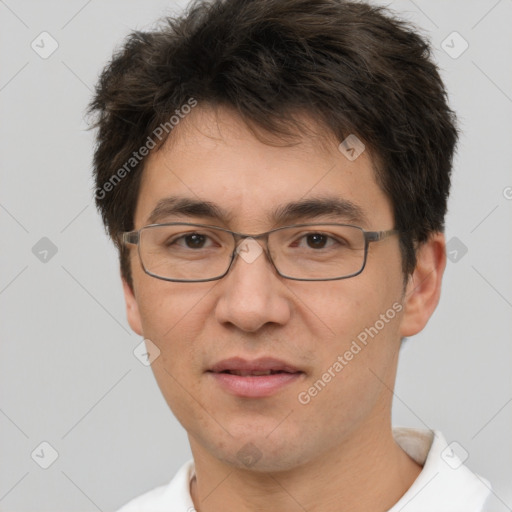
(355,367)
(360,324)
(173,317)
(172,310)
(342,309)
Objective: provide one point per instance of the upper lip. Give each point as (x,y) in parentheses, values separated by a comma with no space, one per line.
(262,364)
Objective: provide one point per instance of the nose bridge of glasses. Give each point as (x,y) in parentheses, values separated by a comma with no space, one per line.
(249,249)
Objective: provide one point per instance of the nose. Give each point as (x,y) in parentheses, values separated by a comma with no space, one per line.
(252,294)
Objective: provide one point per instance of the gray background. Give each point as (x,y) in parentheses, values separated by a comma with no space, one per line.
(68,375)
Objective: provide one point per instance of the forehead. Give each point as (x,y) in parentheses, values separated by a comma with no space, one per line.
(213,156)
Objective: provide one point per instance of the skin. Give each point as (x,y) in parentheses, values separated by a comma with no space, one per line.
(337,449)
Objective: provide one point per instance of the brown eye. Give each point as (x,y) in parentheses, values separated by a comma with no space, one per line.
(195,241)
(316,240)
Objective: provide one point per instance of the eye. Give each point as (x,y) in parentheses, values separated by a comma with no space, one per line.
(315,241)
(192,241)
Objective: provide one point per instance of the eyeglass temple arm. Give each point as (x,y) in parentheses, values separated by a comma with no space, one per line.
(131,237)
(375,236)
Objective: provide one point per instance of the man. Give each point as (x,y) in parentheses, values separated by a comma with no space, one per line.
(275,175)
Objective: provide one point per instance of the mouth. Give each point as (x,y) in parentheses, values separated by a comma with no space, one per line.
(258,378)
(253,373)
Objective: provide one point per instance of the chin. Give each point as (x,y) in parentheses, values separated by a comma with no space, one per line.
(265,453)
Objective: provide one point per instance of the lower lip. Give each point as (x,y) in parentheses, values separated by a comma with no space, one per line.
(255,386)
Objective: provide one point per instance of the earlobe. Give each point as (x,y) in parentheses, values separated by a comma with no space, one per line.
(132,309)
(424,286)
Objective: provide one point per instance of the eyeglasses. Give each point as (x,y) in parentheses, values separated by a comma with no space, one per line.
(184,252)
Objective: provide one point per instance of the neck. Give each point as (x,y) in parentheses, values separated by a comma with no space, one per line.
(369,471)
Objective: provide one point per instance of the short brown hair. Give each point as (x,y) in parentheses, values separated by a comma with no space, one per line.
(352,67)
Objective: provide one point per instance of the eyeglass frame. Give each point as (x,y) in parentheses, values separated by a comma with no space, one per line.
(133,238)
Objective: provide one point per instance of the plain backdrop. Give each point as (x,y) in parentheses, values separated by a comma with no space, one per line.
(68,374)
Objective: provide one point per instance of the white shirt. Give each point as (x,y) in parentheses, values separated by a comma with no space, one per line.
(444,484)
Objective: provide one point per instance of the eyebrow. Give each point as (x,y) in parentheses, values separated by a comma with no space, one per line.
(187,207)
(331,207)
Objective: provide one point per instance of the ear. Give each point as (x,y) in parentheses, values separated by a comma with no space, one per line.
(424,286)
(132,308)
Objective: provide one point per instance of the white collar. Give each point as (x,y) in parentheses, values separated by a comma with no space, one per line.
(445,484)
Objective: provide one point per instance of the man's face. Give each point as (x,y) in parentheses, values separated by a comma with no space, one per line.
(253,313)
